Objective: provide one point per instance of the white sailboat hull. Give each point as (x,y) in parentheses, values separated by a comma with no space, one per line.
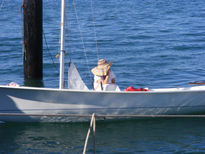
(44,101)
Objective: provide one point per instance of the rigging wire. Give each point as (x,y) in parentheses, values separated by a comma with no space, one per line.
(48,51)
(94,25)
(69,33)
(82,41)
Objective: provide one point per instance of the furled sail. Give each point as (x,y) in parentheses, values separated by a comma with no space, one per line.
(74,79)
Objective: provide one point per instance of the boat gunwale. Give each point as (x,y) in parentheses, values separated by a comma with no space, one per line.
(161,90)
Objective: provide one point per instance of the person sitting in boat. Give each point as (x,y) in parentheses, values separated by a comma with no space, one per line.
(104,78)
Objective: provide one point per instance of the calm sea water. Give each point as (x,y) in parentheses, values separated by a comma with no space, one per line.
(153,43)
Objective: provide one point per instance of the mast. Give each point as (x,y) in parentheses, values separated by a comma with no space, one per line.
(62,51)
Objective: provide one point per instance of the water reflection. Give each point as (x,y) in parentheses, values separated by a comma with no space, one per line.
(161,135)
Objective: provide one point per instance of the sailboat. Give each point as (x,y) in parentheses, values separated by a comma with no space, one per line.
(30,104)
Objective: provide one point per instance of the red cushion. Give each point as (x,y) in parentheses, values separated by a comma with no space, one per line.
(135,89)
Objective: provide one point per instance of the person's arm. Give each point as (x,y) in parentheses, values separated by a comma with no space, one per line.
(105,81)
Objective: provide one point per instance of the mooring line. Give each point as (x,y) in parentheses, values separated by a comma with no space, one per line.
(92,126)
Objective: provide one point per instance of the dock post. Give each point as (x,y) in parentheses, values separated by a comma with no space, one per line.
(32,45)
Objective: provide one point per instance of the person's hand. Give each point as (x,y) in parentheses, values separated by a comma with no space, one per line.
(108,72)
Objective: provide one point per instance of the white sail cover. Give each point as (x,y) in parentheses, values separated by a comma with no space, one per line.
(74,79)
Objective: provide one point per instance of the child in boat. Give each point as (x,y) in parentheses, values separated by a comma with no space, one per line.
(103,76)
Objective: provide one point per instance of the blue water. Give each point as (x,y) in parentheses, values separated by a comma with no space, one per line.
(152,43)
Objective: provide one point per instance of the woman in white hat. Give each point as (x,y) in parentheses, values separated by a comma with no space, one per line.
(103,75)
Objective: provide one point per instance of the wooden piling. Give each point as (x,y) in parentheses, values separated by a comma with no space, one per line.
(32,45)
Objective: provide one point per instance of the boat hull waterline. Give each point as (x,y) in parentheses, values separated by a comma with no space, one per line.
(47,101)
